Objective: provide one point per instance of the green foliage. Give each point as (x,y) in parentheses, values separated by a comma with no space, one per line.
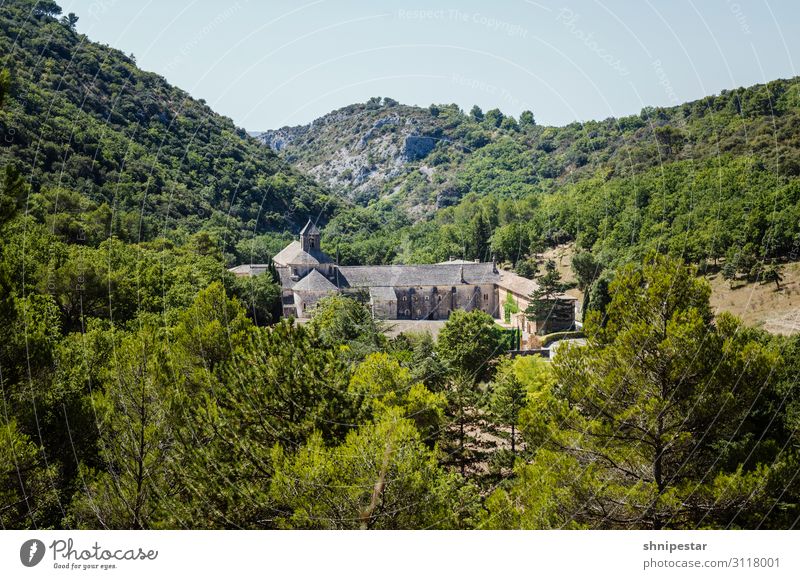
(774,274)
(477,246)
(45,8)
(508,398)
(212,327)
(70,20)
(5,85)
(543,301)
(12,192)
(342,321)
(157,160)
(467,344)
(510,242)
(261,248)
(261,295)
(423,362)
(527,268)
(544,496)
(729,272)
(598,296)
(639,414)
(135,439)
(526,119)
(548,339)
(369,482)
(510,307)
(382,385)
(586,268)
(279,387)
(28,491)
(476,113)
(494,117)
(543,493)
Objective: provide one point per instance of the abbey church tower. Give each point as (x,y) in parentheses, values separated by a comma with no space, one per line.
(309,238)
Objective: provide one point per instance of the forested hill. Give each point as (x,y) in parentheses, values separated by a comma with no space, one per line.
(700,180)
(111,149)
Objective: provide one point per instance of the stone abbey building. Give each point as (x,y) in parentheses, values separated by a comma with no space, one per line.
(400,292)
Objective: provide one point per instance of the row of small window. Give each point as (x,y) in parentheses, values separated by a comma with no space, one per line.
(416,298)
(407,312)
(427,298)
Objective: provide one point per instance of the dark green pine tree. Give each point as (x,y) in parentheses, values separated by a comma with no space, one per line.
(774,273)
(12,190)
(508,399)
(543,298)
(481,232)
(5,85)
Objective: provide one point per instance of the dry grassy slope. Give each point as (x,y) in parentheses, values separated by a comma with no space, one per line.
(562,255)
(761,305)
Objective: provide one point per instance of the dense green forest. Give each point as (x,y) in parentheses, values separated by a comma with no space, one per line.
(111,150)
(143,386)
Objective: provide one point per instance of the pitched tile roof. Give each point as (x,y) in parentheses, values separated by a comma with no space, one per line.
(417,275)
(285,275)
(516,283)
(314,282)
(522,286)
(309,229)
(249,269)
(293,254)
(456,261)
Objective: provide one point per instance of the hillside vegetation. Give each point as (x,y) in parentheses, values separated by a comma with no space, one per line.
(708,179)
(109,149)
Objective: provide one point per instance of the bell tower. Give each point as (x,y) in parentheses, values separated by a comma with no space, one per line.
(309,238)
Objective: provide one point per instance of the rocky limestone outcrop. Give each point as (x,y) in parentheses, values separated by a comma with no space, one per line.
(356,150)
(416,147)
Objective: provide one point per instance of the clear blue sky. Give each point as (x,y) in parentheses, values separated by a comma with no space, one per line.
(267,64)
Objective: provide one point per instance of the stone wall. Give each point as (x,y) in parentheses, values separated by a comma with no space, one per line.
(305,302)
(384,310)
(437,303)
